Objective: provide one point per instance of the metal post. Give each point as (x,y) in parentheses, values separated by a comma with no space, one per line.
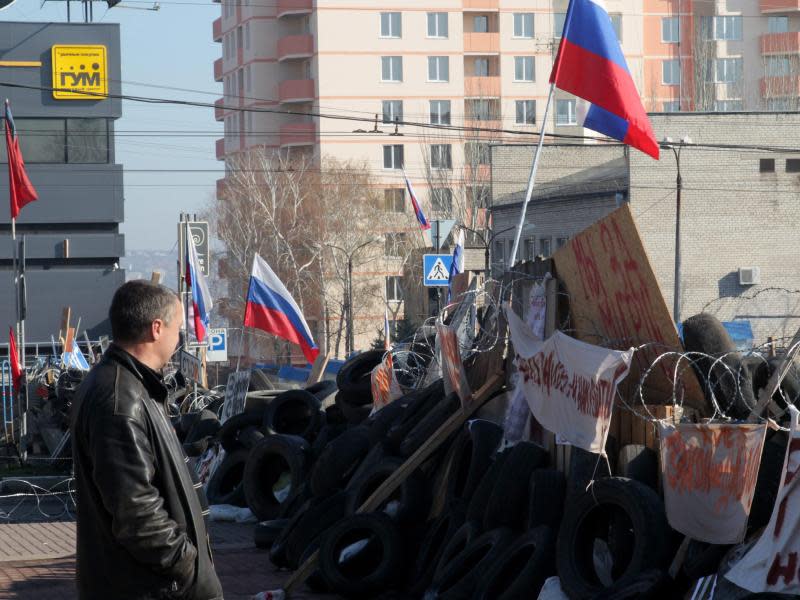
(349,303)
(531,179)
(676,305)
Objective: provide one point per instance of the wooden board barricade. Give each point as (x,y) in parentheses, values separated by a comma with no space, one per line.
(615,299)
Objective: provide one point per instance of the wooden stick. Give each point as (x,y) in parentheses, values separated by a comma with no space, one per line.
(388,487)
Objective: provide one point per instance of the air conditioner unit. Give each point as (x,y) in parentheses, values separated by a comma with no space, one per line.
(749,275)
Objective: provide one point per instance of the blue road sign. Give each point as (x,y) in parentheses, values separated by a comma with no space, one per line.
(436,269)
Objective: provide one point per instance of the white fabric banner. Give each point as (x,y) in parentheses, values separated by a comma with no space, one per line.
(537,308)
(569,385)
(709,473)
(773,563)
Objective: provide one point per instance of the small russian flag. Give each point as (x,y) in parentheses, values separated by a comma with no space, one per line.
(196,282)
(423,221)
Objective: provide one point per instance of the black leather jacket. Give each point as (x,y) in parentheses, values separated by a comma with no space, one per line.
(141,533)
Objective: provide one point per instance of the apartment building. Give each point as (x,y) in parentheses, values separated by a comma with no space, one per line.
(479,66)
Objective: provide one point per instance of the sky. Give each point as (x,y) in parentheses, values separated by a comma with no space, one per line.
(167,48)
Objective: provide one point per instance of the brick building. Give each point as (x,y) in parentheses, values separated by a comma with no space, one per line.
(739,210)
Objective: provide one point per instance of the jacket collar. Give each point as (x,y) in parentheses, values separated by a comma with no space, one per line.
(151,379)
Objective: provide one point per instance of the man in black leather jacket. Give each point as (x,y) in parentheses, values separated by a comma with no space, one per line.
(141,530)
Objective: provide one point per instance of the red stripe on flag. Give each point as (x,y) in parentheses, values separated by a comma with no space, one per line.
(277,323)
(606,84)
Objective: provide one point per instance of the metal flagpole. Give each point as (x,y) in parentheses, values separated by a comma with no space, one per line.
(532,178)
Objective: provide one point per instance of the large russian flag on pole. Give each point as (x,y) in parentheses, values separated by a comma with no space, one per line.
(271,308)
(196,282)
(590,65)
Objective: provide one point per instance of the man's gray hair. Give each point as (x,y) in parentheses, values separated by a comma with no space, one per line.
(136,304)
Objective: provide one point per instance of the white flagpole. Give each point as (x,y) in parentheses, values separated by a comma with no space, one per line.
(532,178)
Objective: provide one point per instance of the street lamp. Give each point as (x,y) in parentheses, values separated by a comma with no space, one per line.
(669,143)
(349,337)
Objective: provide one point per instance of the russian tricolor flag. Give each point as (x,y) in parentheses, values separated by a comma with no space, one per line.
(271,308)
(201,297)
(423,221)
(590,65)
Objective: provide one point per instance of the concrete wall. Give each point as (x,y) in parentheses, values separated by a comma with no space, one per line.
(80,203)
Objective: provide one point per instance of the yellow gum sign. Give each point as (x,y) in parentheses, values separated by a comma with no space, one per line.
(79,72)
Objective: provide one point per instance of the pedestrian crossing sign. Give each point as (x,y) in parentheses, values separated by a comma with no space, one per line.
(436,269)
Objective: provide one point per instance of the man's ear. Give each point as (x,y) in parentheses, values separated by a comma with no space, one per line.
(156,329)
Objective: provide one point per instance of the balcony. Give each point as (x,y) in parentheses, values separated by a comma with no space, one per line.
(485,5)
(218,70)
(477,173)
(221,188)
(780,43)
(482,43)
(287,8)
(779,87)
(216,29)
(298,134)
(779,6)
(220,149)
(481,87)
(296,90)
(295,46)
(219,110)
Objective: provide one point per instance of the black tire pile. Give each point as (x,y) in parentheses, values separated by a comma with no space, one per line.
(473,521)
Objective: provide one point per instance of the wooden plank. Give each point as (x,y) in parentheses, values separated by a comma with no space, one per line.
(70,339)
(388,487)
(66,313)
(318,369)
(155,277)
(615,299)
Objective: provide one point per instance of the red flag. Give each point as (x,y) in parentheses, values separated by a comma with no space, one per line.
(13,357)
(20,187)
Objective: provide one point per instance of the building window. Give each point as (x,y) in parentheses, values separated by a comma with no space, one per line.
(793,165)
(671,72)
(440,112)
(544,246)
(616,23)
(76,141)
(523,68)
(671,106)
(766,165)
(395,244)
(393,157)
(391,68)
(481,67)
(530,248)
(437,25)
(480,24)
(777,66)
(558,24)
(727,105)
(247,36)
(481,110)
(248,79)
(526,112)
(499,252)
(477,153)
(394,288)
(392,111)
(565,112)
(779,104)
(728,70)
(561,242)
(441,157)
(390,25)
(778,24)
(239,38)
(728,27)
(670,30)
(523,25)
(442,200)
(394,200)
(438,68)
